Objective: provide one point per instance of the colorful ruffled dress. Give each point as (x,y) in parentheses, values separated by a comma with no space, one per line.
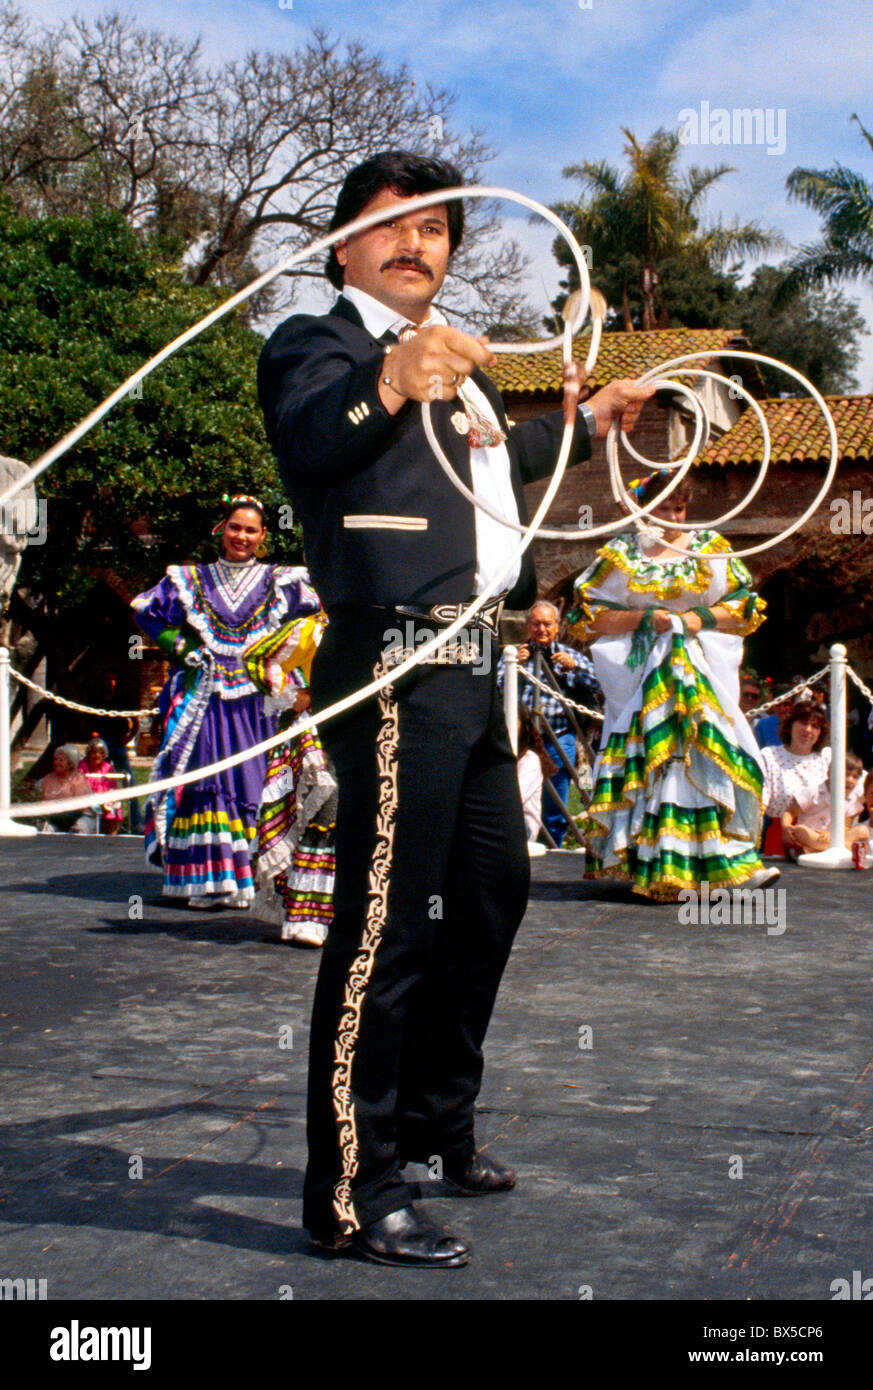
(678,778)
(204,617)
(297,819)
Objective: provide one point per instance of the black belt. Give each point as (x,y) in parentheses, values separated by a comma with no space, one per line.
(444,614)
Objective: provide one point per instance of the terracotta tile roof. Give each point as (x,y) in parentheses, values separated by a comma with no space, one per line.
(798,432)
(621,355)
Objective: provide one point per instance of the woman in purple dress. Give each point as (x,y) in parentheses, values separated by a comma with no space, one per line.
(203,616)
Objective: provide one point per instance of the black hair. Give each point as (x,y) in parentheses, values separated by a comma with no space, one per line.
(405,174)
(799,709)
(241,503)
(247,507)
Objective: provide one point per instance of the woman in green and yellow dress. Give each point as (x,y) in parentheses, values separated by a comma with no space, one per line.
(678,778)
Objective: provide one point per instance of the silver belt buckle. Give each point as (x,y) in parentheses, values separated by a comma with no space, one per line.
(487,617)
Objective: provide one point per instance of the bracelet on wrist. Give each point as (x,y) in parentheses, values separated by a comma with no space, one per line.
(385,378)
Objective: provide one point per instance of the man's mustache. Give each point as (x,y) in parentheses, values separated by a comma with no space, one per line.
(408,261)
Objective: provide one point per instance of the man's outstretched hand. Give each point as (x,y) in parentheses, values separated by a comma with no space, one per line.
(431,366)
(436,362)
(621,400)
(575,389)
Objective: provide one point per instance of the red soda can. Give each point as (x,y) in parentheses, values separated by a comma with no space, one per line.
(859,854)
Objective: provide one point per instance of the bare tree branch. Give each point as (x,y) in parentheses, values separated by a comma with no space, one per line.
(232,167)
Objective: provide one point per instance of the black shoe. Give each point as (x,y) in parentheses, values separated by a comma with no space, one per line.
(479,1176)
(406,1238)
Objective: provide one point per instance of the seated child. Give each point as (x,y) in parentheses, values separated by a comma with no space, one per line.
(863,827)
(806,825)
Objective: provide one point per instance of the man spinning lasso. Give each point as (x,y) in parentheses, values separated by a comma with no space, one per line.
(432,863)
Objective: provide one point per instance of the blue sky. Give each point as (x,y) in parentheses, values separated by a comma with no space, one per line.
(551,82)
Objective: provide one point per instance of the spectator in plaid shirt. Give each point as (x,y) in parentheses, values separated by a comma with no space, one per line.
(575,675)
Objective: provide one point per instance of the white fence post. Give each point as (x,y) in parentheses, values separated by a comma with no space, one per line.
(7,825)
(837,856)
(510,694)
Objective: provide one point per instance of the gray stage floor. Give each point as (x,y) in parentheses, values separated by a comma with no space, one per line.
(713,1141)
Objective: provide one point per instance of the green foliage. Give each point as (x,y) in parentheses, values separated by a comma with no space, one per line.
(815,332)
(845,201)
(655,261)
(692,295)
(83,304)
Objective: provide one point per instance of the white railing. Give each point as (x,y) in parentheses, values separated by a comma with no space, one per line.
(510,694)
(838,856)
(7,825)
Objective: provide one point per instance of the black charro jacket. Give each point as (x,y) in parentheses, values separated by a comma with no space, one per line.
(382,524)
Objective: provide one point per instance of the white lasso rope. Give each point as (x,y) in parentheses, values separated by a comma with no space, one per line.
(527,534)
(71,704)
(422,653)
(680,467)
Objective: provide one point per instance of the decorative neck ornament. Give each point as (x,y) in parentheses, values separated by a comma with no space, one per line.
(236,564)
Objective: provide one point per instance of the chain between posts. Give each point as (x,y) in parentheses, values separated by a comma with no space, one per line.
(758,709)
(865,690)
(780,699)
(548,689)
(559,695)
(71,704)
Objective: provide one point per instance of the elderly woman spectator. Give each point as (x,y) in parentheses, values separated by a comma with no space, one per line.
(63,781)
(100,775)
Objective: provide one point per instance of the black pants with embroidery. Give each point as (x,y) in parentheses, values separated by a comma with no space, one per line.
(431,884)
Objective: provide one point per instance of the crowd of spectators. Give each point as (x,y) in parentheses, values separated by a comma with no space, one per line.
(79,774)
(554,743)
(793,738)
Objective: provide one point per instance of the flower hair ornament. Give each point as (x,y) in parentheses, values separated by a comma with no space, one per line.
(638,487)
(230,504)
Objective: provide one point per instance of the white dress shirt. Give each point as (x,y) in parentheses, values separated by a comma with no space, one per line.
(489,467)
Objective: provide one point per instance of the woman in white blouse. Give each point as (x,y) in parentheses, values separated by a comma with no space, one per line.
(797,773)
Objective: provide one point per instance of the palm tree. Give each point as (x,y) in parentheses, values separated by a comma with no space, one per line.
(845,201)
(646,221)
